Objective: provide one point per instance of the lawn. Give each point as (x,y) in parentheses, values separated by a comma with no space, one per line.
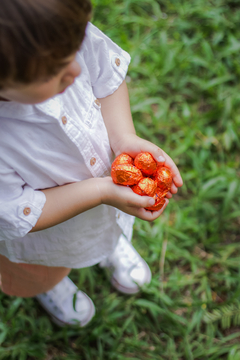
(185,97)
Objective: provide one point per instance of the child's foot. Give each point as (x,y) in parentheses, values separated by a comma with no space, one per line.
(129,270)
(58,302)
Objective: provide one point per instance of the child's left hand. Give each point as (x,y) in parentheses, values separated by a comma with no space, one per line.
(132,145)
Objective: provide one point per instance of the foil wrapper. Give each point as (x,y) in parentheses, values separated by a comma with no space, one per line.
(159,201)
(122,159)
(163,175)
(163,188)
(146,163)
(126,174)
(146,186)
(158,182)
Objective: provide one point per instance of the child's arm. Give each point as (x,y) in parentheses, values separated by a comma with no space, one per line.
(64,202)
(67,201)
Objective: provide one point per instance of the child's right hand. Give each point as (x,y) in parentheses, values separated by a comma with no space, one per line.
(123,198)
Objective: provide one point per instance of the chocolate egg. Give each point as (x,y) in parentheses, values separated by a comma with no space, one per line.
(146,163)
(163,175)
(122,159)
(159,201)
(145,186)
(126,174)
(163,188)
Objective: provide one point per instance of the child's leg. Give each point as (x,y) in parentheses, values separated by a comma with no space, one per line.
(27,280)
(52,288)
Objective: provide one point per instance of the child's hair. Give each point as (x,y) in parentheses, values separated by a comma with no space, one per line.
(36,36)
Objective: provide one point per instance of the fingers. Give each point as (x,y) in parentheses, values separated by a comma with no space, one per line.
(161,157)
(177,179)
(150,215)
(174,189)
(141,201)
(157,153)
(169,195)
(165,159)
(126,200)
(138,203)
(125,195)
(135,145)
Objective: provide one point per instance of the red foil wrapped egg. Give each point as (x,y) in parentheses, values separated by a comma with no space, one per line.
(163,189)
(122,159)
(163,175)
(145,186)
(146,163)
(159,201)
(126,174)
(129,172)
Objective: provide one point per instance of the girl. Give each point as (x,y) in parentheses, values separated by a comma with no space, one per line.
(64,112)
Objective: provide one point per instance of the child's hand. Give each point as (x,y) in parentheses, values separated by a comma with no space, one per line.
(123,198)
(132,145)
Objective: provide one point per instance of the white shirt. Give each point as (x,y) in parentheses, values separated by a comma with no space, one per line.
(60,141)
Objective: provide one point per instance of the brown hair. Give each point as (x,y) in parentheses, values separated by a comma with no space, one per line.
(37,35)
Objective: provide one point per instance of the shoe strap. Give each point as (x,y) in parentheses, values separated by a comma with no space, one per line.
(61,291)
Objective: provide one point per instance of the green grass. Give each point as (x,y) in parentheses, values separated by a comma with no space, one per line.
(185,97)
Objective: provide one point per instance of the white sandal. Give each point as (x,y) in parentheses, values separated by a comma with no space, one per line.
(58,302)
(128,269)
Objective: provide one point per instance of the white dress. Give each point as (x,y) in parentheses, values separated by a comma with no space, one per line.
(60,141)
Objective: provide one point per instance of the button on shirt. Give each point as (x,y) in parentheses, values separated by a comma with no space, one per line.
(60,141)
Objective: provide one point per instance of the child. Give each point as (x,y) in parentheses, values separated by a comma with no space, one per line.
(64,109)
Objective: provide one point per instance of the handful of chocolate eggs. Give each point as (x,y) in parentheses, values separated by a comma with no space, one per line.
(144,175)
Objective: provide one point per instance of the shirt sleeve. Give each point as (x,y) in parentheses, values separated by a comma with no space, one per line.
(107,63)
(20,205)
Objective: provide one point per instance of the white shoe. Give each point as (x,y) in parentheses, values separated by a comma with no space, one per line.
(58,302)
(129,270)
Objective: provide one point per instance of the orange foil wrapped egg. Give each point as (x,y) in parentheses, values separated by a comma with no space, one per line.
(146,186)
(159,201)
(163,176)
(144,175)
(122,159)
(126,174)
(146,163)
(163,189)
